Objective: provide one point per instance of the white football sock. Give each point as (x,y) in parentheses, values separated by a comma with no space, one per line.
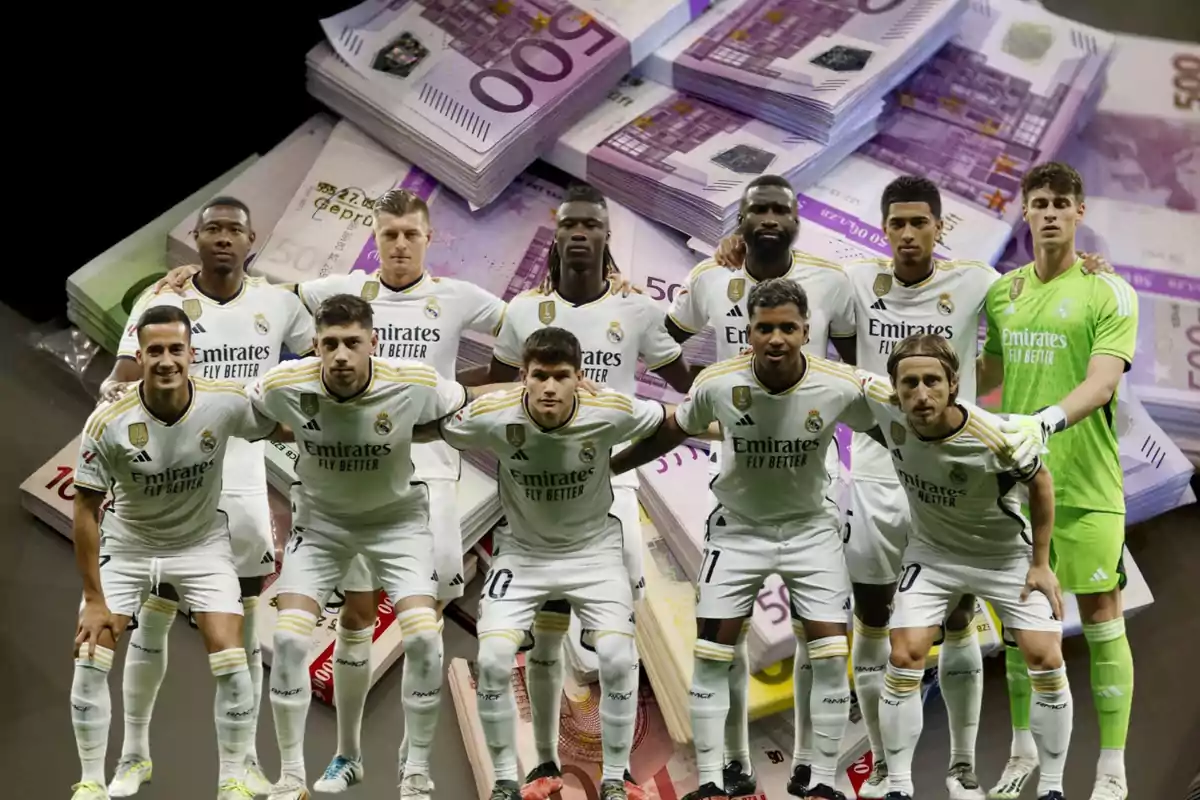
(618,701)
(710,706)
(351,682)
(544,681)
(737,723)
(402,751)
(830,704)
(960,673)
(91,711)
(872,649)
(233,709)
(494,696)
(901,718)
(802,683)
(254,663)
(291,687)
(145,668)
(422,684)
(1050,720)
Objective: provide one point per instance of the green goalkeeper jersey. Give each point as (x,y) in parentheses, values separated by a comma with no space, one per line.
(1047,333)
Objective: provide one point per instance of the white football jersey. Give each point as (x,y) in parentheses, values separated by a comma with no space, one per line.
(354,463)
(613,331)
(165,479)
(237,340)
(963,490)
(715,296)
(947,303)
(555,485)
(773,453)
(425,322)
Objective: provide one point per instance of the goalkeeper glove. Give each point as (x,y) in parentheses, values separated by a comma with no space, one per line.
(1026,436)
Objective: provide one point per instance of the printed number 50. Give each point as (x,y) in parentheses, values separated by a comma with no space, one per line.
(661,290)
(1187,81)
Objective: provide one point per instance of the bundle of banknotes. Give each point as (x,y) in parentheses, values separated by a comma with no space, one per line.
(472,91)
(814,68)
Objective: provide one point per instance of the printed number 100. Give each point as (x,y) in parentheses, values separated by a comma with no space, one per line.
(521,60)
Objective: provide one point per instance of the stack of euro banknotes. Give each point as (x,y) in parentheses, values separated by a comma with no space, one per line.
(671,107)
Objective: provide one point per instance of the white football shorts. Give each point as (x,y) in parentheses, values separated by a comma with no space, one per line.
(203,574)
(250,530)
(806,554)
(876,531)
(444,523)
(931,584)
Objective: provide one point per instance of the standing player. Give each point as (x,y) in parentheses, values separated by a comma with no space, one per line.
(353,414)
(160,449)
(969,537)
(564,540)
(239,326)
(1060,342)
(768,224)
(778,409)
(614,330)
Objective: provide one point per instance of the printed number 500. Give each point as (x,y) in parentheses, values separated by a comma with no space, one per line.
(1187,81)
(661,290)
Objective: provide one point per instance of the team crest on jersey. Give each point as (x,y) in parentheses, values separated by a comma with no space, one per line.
(615,334)
(383,425)
(309,404)
(736,290)
(1014,290)
(958,474)
(883,284)
(138,434)
(208,442)
(514,434)
(945,305)
(432,309)
(193,309)
(814,423)
(741,397)
(546,311)
(370,291)
(261,325)
(587,453)
(898,433)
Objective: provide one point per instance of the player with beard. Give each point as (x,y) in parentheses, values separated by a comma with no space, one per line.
(778,409)
(614,330)
(768,225)
(239,326)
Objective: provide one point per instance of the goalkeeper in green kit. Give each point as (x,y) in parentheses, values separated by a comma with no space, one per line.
(1059,341)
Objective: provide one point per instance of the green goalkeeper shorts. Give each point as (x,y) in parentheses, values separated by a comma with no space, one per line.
(1087,550)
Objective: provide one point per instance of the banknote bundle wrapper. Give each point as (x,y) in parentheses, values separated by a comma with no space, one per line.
(475,91)
(815,68)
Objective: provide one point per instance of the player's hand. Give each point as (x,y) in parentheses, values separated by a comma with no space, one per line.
(1024,437)
(590,386)
(1094,263)
(176,278)
(94,620)
(618,285)
(731,252)
(114,390)
(1042,579)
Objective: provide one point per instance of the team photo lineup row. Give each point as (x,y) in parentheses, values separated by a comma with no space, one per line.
(935,507)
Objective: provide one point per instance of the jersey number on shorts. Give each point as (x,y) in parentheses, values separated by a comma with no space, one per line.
(294,544)
(497,582)
(708,565)
(908,577)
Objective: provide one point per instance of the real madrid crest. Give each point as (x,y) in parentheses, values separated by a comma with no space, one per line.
(208,442)
(261,325)
(736,290)
(514,434)
(958,474)
(370,290)
(193,309)
(587,453)
(546,311)
(1014,290)
(383,425)
(883,284)
(615,334)
(945,305)
(814,423)
(432,309)
(309,404)
(898,433)
(741,397)
(138,434)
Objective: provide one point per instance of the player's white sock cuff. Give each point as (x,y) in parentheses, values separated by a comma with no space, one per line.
(899,682)
(227,662)
(870,632)
(101,659)
(353,637)
(295,621)
(160,605)
(417,620)
(828,647)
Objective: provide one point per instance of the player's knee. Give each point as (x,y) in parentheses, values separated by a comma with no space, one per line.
(1041,651)
(292,639)
(907,653)
(961,618)
(615,654)
(360,611)
(497,655)
(873,604)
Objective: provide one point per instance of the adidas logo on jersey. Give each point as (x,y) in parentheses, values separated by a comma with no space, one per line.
(746,420)
(879,305)
(736,311)
(435,577)
(268,558)
(520,456)
(142,458)
(457,581)
(198,328)
(311,425)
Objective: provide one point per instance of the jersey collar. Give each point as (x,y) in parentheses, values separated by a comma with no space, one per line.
(607,292)
(952,434)
(187,409)
(406,288)
(366,386)
(204,298)
(803,374)
(791,268)
(529,416)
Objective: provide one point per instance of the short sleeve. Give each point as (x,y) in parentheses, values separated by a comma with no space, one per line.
(508,340)
(656,347)
(261,398)
(91,468)
(484,311)
(842,320)
(313,293)
(447,398)
(993,344)
(687,311)
(1116,310)
(300,331)
(466,430)
(644,420)
(248,422)
(696,412)
(858,414)
(128,346)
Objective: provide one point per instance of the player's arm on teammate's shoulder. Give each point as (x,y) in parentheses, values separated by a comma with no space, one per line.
(176,278)
(860,416)
(486,314)
(125,373)
(731,252)
(662,353)
(690,418)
